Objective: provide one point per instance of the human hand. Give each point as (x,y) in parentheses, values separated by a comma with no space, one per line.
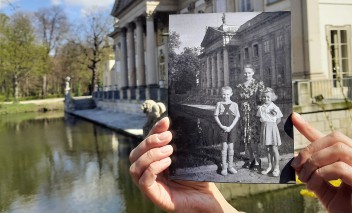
(228,129)
(326,158)
(223,128)
(151,158)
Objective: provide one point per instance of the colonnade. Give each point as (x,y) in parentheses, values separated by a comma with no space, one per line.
(138,68)
(217,68)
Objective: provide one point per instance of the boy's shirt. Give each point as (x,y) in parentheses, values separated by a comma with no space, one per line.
(219,110)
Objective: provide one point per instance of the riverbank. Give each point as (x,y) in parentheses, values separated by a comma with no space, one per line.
(55,104)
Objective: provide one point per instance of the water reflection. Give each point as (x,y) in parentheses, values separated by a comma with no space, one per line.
(284,200)
(65,165)
(62,164)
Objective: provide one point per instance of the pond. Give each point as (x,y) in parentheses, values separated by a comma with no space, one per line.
(56,163)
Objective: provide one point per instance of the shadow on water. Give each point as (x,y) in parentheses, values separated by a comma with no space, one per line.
(64,164)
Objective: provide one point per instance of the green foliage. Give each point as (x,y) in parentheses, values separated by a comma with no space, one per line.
(20,55)
(24,108)
(36,55)
(184,67)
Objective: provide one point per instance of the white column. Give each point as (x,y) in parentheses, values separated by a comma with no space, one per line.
(208,73)
(123,60)
(218,67)
(213,72)
(151,47)
(226,67)
(131,56)
(140,53)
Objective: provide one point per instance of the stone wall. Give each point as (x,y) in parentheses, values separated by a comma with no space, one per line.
(120,106)
(340,120)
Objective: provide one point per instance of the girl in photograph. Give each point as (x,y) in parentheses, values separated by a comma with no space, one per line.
(248,99)
(226,116)
(270,115)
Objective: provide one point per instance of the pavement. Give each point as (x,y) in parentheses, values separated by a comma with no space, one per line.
(212,173)
(129,124)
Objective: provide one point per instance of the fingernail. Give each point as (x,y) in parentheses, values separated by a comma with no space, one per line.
(157,123)
(165,160)
(296,162)
(166,149)
(163,135)
(298,116)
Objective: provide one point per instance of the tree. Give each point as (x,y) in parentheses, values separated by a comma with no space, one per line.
(19,51)
(52,25)
(184,67)
(68,63)
(187,70)
(95,43)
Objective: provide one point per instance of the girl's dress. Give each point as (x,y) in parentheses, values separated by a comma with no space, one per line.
(270,134)
(226,114)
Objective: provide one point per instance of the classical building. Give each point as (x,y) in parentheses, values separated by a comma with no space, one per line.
(263,41)
(110,69)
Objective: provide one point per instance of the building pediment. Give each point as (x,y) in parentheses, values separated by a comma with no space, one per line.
(120,5)
(211,35)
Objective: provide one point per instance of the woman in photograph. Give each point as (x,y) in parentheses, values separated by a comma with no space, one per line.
(248,99)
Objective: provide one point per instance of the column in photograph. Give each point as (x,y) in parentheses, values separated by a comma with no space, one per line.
(131,60)
(226,67)
(218,68)
(213,72)
(208,72)
(140,59)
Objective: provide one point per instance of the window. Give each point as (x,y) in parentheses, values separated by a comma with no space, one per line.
(279,41)
(246,6)
(255,50)
(267,76)
(339,43)
(267,46)
(246,53)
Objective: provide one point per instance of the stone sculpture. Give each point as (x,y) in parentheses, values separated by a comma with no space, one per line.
(154,111)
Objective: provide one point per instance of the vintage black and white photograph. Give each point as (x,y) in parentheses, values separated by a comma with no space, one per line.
(230,95)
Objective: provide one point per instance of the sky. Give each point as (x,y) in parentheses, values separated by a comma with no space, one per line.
(74,9)
(192,27)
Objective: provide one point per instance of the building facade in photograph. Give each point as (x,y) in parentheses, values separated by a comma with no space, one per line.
(263,42)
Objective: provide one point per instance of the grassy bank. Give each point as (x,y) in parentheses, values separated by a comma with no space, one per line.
(30,107)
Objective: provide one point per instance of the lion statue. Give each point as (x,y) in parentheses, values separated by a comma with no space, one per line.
(154,111)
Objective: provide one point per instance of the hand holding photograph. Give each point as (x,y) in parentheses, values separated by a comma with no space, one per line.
(229,96)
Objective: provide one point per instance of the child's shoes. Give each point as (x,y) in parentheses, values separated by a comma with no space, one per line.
(232,170)
(276,172)
(268,170)
(224,172)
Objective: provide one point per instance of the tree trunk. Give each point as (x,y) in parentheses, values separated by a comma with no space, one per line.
(15,88)
(44,86)
(94,80)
